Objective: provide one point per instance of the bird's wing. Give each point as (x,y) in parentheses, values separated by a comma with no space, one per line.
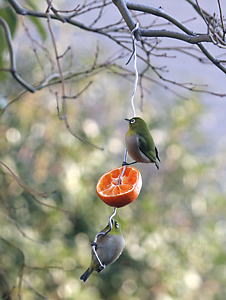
(146,149)
(157,154)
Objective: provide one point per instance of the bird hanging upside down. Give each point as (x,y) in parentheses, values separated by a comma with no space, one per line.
(108,247)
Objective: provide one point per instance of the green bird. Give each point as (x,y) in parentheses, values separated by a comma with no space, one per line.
(108,246)
(140,144)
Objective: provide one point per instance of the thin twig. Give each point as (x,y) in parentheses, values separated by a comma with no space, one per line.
(31,191)
(63,112)
(12,57)
(22,185)
(80,92)
(221,18)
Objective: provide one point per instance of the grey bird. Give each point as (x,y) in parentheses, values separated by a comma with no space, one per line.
(108,247)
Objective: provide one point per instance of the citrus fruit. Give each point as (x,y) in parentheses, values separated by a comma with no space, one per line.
(119,186)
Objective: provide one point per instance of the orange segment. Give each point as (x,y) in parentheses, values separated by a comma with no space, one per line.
(119,190)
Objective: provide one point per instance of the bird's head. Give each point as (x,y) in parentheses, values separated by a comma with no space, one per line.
(136,123)
(115,227)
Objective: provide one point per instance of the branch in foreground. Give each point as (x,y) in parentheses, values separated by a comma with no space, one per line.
(29,190)
(13,69)
(63,112)
(189,37)
(125,7)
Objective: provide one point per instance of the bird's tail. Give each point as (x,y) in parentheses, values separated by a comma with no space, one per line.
(157,165)
(86,274)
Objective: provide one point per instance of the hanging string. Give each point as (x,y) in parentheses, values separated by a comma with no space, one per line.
(94,243)
(134,53)
(102,233)
(124,164)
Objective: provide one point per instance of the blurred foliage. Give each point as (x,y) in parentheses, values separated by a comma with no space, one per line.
(7,13)
(10,17)
(175,232)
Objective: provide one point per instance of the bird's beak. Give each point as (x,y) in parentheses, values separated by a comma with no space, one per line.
(128,120)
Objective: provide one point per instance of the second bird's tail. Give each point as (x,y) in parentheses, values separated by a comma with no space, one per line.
(86,274)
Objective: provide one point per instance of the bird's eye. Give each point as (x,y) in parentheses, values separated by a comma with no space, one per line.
(116,224)
(132,121)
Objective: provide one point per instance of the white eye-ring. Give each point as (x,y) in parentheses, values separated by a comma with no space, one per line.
(132,121)
(116,225)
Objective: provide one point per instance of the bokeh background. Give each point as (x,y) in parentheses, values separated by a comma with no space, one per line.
(175,231)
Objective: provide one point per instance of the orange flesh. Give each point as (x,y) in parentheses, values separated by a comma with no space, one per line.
(110,184)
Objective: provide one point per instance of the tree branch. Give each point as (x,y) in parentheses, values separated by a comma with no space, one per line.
(12,57)
(122,7)
(191,39)
(27,12)
(30,190)
(158,13)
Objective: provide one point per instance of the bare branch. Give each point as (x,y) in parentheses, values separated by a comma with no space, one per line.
(63,112)
(80,92)
(29,190)
(191,39)
(159,13)
(56,56)
(221,18)
(13,68)
(122,7)
(22,185)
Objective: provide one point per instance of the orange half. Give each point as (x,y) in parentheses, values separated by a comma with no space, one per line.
(119,186)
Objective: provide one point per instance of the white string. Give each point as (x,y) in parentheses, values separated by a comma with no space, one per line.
(124,167)
(103,233)
(135,68)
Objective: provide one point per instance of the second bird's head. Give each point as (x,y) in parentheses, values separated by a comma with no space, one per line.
(136,123)
(115,227)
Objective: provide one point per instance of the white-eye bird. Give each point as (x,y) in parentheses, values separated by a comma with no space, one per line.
(108,247)
(140,144)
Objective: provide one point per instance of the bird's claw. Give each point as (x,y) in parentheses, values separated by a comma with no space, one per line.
(94,244)
(100,268)
(128,164)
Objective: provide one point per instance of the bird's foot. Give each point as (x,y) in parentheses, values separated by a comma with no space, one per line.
(128,164)
(94,244)
(100,268)
(157,165)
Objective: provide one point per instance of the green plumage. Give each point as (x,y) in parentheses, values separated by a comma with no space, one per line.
(139,142)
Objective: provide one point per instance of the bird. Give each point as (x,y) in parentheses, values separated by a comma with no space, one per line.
(140,144)
(109,247)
